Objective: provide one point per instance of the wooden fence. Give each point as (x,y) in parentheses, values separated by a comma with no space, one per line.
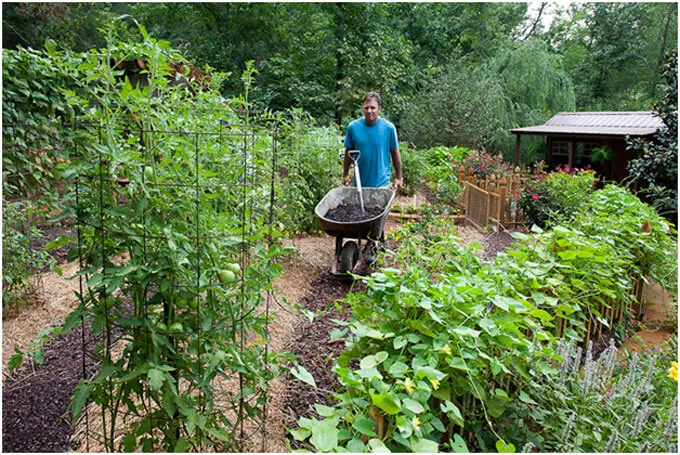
(492,199)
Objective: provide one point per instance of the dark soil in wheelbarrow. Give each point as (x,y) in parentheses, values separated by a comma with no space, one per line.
(352,213)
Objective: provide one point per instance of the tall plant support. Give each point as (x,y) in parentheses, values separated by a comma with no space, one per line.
(161,217)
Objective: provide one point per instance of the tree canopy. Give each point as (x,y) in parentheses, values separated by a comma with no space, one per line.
(442,68)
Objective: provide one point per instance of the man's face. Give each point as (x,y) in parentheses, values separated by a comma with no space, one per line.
(371,111)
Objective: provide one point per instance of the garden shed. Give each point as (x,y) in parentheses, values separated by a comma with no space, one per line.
(598,139)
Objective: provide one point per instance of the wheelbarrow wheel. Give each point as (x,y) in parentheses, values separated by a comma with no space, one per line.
(349,256)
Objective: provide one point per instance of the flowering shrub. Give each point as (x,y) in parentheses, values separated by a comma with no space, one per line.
(484,164)
(555,196)
(602,405)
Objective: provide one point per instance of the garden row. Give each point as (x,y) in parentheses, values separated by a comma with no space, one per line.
(445,352)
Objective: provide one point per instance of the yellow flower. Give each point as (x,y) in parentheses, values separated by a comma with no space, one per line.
(408,385)
(447,350)
(416,423)
(673,371)
(435,383)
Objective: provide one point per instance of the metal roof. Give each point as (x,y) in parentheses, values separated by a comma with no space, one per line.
(597,123)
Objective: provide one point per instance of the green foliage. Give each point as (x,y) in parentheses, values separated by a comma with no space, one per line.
(21,260)
(483,164)
(555,197)
(437,346)
(311,163)
(169,201)
(441,172)
(464,106)
(615,214)
(413,168)
(657,164)
(600,405)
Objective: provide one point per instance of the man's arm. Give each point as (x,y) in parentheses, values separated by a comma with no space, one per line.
(396,160)
(345,168)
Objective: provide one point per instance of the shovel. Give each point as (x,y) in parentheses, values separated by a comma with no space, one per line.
(355,155)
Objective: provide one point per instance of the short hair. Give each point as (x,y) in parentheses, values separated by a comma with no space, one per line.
(372,96)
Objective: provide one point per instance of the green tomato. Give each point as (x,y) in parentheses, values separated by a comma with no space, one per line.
(235,268)
(177,327)
(226,276)
(161,327)
(193,303)
(148,173)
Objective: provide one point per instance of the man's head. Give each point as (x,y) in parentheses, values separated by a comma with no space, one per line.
(371,107)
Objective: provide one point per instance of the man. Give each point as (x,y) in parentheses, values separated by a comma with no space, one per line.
(376,138)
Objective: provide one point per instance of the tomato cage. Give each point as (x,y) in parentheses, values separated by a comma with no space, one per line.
(176,238)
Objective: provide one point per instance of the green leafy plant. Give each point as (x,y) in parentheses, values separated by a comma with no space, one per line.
(21,260)
(178,241)
(556,196)
(601,405)
(441,172)
(413,168)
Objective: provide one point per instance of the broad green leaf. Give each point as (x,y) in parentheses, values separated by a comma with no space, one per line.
(526,398)
(380,357)
(413,405)
(364,425)
(398,369)
(303,375)
(466,331)
(355,445)
(15,360)
(502,447)
(368,362)
(83,391)
(156,378)
(377,446)
(182,445)
(325,435)
(300,434)
(324,411)
(424,446)
(452,411)
(386,403)
(430,373)
(458,444)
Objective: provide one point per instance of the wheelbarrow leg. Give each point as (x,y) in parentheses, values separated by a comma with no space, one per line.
(336,257)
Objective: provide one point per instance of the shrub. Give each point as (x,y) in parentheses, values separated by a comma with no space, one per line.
(311,164)
(20,260)
(413,168)
(484,164)
(601,405)
(555,197)
(441,172)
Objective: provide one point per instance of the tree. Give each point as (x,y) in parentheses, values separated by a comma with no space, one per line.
(656,169)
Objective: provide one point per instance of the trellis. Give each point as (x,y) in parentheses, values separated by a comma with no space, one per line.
(257,174)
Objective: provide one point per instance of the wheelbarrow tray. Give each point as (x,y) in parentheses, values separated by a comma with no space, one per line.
(371,228)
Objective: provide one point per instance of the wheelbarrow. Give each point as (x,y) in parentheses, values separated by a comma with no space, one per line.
(349,256)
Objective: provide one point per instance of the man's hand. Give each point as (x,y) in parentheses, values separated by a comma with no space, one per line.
(347,180)
(398,184)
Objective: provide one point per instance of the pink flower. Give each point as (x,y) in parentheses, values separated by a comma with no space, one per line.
(534,197)
(516,195)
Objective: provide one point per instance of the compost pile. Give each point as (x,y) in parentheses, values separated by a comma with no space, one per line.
(352,213)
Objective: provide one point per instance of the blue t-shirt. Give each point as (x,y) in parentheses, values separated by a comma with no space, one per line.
(375,143)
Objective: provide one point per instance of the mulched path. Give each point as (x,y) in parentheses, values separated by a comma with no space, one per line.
(35,398)
(315,349)
(495,243)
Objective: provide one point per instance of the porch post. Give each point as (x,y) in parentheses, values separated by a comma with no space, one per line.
(517,150)
(571,154)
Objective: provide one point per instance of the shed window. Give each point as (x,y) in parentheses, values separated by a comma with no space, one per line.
(560,148)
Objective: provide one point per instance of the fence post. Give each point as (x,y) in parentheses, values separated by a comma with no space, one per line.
(501,199)
(471,176)
(461,175)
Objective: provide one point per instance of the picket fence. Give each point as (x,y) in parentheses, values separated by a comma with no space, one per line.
(491,200)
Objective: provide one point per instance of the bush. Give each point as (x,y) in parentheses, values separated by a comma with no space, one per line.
(412,167)
(20,260)
(441,172)
(555,197)
(311,166)
(602,406)
(484,164)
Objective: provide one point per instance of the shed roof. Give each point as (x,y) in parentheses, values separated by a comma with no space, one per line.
(597,123)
